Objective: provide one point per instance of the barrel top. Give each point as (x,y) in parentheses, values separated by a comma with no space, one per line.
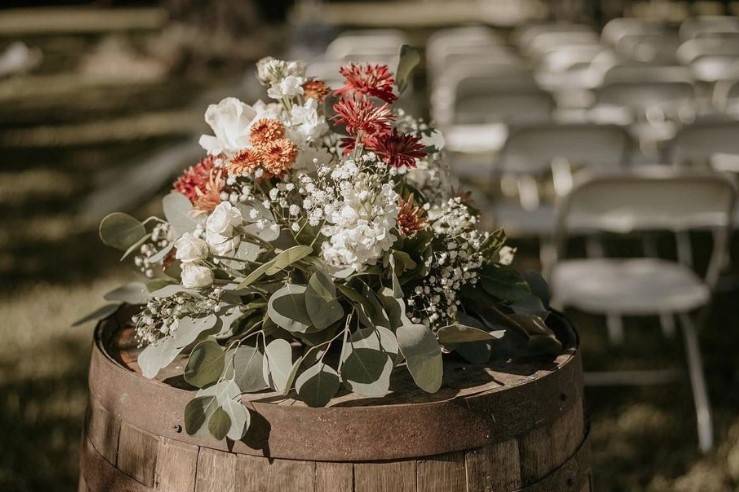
(478,405)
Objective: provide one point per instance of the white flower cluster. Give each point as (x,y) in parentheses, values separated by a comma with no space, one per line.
(452,265)
(160,316)
(160,239)
(283,78)
(358,211)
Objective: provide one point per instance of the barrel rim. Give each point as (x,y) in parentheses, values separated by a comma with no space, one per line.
(377,432)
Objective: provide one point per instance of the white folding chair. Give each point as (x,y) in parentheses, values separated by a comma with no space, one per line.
(709,26)
(366,43)
(617,29)
(534,152)
(638,202)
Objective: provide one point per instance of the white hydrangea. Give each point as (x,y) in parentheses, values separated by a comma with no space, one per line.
(306,123)
(289,86)
(359,223)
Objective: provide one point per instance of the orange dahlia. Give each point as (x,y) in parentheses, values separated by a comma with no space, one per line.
(266,130)
(245,162)
(316,89)
(277,156)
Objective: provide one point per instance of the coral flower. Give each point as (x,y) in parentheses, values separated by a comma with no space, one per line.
(209,198)
(360,116)
(245,162)
(370,80)
(194,179)
(266,130)
(397,149)
(316,89)
(277,156)
(411,217)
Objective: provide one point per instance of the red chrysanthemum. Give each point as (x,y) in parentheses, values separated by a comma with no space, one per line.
(398,149)
(195,179)
(411,217)
(360,116)
(370,80)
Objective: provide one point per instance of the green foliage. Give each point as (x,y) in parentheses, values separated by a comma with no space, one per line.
(422,355)
(246,364)
(278,364)
(287,258)
(504,283)
(321,303)
(178,211)
(287,309)
(121,231)
(205,365)
(131,293)
(317,384)
(100,313)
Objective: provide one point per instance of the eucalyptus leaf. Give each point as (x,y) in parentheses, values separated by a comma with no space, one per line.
(135,246)
(320,301)
(240,419)
(367,371)
(288,257)
(160,255)
(197,412)
(219,423)
(410,57)
(227,399)
(179,213)
(99,313)
(278,363)
(121,231)
(459,333)
(247,366)
(131,293)
(475,352)
(422,354)
(256,274)
(205,364)
(317,384)
(286,307)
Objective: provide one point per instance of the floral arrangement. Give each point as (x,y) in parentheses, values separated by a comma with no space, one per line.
(318,245)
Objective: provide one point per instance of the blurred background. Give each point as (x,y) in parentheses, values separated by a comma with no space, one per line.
(101,104)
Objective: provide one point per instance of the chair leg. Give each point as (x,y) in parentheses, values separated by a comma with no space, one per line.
(667,321)
(698,384)
(615,326)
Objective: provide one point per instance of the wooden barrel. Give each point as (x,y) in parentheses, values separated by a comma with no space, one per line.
(502,427)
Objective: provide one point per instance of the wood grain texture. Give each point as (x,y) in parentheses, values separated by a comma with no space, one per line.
(216,471)
(82,485)
(493,468)
(393,476)
(254,474)
(334,477)
(102,430)
(137,454)
(441,473)
(547,447)
(176,466)
(101,476)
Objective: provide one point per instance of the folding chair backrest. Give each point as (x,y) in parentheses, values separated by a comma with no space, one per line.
(649,200)
(652,200)
(710,25)
(696,144)
(618,28)
(503,106)
(362,43)
(642,95)
(531,149)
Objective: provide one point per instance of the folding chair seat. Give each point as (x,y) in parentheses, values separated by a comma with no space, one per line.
(709,26)
(649,200)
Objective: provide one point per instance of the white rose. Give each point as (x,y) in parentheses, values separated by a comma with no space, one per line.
(505,255)
(290,86)
(195,275)
(436,139)
(221,245)
(190,248)
(223,219)
(307,124)
(230,120)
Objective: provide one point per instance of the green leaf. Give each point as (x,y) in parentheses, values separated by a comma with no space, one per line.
(422,354)
(179,213)
(504,282)
(120,231)
(161,353)
(197,411)
(459,333)
(317,384)
(278,363)
(240,419)
(219,423)
(475,352)
(135,246)
(286,307)
(394,307)
(367,371)
(255,275)
(131,293)
(376,338)
(100,313)
(205,365)
(288,257)
(247,362)
(226,394)
(410,57)
(320,301)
